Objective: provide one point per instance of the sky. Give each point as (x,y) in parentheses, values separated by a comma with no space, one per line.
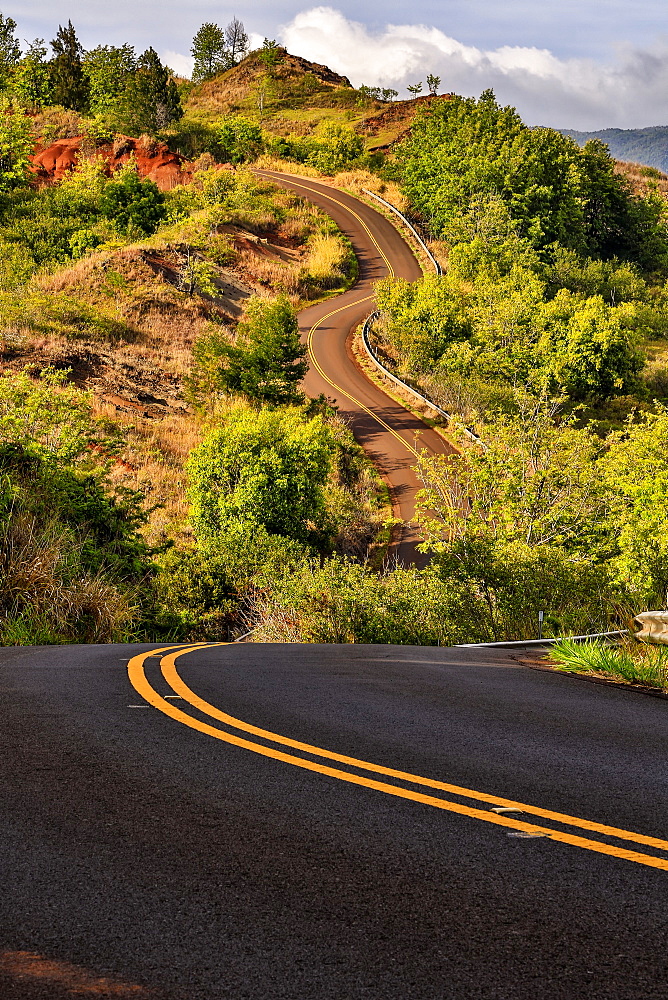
(584,64)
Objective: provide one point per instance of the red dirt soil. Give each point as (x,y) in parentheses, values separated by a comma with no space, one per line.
(154,160)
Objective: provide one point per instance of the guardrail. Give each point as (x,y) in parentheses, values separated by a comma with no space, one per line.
(540,642)
(387,204)
(404,385)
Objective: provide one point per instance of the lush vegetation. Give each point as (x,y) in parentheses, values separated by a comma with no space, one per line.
(628,662)
(242,504)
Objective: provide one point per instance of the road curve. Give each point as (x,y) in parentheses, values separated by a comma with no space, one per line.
(298,822)
(391,436)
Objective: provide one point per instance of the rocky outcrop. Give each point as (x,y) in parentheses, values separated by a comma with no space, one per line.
(154,160)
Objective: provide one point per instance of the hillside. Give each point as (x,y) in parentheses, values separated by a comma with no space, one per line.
(646,146)
(296,97)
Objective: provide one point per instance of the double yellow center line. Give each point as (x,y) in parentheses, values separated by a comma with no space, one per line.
(234,726)
(368,298)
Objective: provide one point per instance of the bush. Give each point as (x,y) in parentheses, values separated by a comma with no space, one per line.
(266,469)
(133,205)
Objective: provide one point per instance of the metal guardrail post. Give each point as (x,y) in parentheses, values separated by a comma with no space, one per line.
(404,385)
(387,204)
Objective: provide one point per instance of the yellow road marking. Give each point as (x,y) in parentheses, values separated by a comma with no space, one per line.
(143,687)
(334,385)
(312,357)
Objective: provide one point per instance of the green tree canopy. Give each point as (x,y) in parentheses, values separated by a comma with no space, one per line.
(16,146)
(10,50)
(109,69)
(267,362)
(31,84)
(239,139)
(461,149)
(133,205)
(210,51)
(265,468)
(68,79)
(152,97)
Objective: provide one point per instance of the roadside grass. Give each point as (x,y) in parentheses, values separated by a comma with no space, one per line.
(629,661)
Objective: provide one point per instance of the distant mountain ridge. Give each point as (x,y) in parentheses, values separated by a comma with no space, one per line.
(648,146)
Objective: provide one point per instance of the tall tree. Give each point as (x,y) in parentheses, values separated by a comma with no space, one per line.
(153,98)
(31,80)
(16,146)
(237,40)
(109,69)
(210,51)
(433,82)
(70,83)
(10,50)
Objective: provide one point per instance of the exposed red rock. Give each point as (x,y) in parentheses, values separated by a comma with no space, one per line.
(154,160)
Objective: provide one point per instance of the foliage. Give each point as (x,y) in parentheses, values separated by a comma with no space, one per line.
(10,50)
(271,54)
(461,149)
(341,601)
(31,81)
(504,328)
(16,146)
(71,555)
(210,52)
(69,81)
(238,140)
(206,589)
(133,205)
(265,468)
(152,97)
(266,363)
(335,148)
(110,69)
(633,662)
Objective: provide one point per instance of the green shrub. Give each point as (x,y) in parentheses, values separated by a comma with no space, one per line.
(629,661)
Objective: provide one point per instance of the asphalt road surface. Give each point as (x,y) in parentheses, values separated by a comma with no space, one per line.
(255,822)
(391,436)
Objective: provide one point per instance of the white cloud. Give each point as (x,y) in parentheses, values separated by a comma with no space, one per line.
(182,65)
(575,93)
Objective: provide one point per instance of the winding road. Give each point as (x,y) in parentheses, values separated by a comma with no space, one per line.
(391,435)
(301,822)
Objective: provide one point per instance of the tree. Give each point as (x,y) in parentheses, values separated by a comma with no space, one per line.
(415,88)
(31,81)
(133,205)
(210,51)
(335,148)
(271,54)
(265,365)
(110,69)
(433,82)
(153,98)
(69,81)
(236,40)
(16,146)
(266,468)
(388,94)
(10,50)
(239,139)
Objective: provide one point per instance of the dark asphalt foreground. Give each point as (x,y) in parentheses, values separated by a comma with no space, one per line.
(143,859)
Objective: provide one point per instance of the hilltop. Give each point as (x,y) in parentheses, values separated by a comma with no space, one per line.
(297,96)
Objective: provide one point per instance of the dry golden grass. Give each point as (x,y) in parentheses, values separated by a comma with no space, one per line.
(356,180)
(326,259)
(643,179)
